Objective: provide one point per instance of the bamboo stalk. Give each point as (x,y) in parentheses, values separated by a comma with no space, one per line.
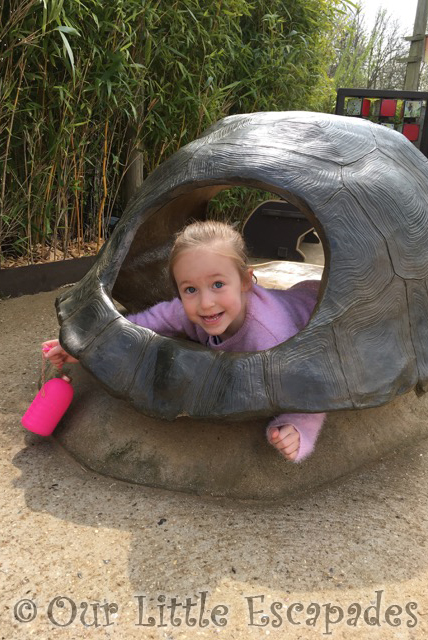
(104,180)
(28,197)
(76,196)
(6,155)
(46,200)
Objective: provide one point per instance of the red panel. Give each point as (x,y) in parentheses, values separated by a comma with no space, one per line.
(365,111)
(388,107)
(411,131)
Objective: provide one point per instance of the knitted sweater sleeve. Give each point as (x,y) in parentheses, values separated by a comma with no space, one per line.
(307,424)
(166,318)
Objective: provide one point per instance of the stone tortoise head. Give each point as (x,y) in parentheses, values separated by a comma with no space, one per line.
(364,187)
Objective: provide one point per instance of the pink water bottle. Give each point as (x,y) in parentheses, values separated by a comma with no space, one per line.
(49,405)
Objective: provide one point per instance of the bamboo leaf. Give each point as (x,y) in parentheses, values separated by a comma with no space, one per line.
(68,49)
(70,30)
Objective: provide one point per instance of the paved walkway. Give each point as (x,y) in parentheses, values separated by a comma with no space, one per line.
(124,552)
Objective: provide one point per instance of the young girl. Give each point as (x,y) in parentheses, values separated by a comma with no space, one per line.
(219,306)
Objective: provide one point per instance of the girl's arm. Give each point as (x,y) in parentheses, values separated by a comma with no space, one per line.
(166,318)
(53,351)
(307,424)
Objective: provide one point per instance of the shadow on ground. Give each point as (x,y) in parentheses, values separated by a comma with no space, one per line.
(367,529)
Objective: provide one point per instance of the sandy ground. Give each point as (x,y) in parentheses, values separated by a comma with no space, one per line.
(87,556)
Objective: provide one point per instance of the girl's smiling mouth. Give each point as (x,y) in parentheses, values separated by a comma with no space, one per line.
(213,318)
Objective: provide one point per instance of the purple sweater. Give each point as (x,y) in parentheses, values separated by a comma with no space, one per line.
(272,316)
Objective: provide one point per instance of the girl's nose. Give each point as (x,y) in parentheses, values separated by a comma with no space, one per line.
(206,300)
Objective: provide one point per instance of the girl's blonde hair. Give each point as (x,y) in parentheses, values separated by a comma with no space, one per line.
(221,237)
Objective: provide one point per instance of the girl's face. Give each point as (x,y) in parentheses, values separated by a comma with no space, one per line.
(212,290)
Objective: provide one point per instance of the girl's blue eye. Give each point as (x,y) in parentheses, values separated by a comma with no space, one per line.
(189,290)
(218,285)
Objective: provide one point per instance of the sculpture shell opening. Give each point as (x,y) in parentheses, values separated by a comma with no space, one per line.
(364,187)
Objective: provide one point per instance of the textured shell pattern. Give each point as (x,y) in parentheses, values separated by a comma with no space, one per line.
(366,189)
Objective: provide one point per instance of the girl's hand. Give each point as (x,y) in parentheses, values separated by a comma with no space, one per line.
(53,351)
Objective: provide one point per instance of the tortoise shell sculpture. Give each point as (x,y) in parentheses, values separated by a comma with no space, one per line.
(364,188)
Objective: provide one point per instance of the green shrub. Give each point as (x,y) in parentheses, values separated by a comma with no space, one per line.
(85,84)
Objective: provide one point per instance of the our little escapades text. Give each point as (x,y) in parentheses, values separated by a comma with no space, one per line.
(199,611)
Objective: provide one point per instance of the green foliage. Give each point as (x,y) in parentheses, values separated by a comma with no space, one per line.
(234,205)
(352,50)
(368,59)
(85,83)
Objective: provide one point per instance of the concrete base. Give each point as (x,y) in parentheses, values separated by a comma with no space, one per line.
(226,459)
